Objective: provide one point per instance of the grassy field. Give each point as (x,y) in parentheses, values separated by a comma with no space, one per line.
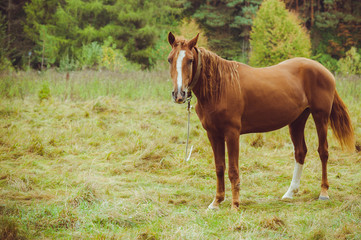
(100,155)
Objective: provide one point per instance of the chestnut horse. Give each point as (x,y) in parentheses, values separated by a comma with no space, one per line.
(234,99)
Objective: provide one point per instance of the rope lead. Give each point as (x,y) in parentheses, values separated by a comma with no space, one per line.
(187,157)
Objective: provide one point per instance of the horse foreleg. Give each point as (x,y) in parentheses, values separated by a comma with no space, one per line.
(232,140)
(218,146)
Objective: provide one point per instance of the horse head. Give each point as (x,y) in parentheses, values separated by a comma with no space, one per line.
(182,61)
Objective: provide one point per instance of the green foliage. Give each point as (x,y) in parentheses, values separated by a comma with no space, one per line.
(327,60)
(113,59)
(333,23)
(323,55)
(44,92)
(5,64)
(67,64)
(351,63)
(73,30)
(277,35)
(90,55)
(98,56)
(227,24)
(55,31)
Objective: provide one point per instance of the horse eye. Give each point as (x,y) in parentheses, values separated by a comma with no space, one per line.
(169,60)
(190,61)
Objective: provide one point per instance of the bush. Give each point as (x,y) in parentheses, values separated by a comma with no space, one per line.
(277,35)
(328,61)
(89,55)
(113,59)
(68,64)
(44,92)
(97,56)
(351,63)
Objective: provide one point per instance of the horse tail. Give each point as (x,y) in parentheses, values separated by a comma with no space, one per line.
(341,123)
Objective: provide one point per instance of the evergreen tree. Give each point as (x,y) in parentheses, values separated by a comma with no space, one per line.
(5,64)
(335,25)
(16,44)
(139,23)
(277,35)
(227,23)
(71,24)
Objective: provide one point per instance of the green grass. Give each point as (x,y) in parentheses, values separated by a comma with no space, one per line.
(100,156)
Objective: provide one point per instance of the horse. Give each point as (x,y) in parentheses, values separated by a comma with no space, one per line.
(235,99)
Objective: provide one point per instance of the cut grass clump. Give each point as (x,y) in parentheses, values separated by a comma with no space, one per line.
(87,194)
(274,223)
(36,146)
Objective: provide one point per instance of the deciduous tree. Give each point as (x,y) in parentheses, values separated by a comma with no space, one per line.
(277,35)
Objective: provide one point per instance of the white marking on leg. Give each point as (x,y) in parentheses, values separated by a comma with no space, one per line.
(213,206)
(295,184)
(181,55)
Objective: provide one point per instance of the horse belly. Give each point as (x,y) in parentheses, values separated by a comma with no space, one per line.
(270,115)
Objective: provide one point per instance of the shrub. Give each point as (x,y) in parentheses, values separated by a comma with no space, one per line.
(277,35)
(351,63)
(97,56)
(44,92)
(113,59)
(67,64)
(328,61)
(89,55)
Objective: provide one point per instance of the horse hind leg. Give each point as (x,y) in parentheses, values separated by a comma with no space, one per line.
(297,135)
(321,121)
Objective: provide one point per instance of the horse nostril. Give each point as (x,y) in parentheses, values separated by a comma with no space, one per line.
(179,96)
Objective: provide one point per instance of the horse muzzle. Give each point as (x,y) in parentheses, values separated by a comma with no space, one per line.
(179,96)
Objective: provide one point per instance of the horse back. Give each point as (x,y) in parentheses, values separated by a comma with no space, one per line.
(275,96)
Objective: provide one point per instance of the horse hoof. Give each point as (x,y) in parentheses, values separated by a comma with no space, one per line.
(324,198)
(235,208)
(287,197)
(211,207)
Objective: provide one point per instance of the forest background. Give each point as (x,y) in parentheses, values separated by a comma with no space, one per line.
(124,35)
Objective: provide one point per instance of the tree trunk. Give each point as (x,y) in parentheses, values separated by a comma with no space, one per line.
(312,15)
(9,22)
(42,57)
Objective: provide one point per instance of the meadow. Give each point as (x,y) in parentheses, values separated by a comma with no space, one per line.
(100,155)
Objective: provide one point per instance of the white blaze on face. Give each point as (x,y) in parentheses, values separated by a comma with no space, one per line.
(181,55)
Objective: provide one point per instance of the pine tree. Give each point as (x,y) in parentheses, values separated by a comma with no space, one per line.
(227,24)
(335,25)
(277,35)
(135,26)
(16,44)
(5,64)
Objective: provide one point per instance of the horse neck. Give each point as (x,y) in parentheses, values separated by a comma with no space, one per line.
(210,85)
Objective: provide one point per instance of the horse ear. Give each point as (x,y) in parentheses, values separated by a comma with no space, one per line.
(171,38)
(192,43)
